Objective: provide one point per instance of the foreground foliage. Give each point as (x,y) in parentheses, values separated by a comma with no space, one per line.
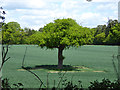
(105,84)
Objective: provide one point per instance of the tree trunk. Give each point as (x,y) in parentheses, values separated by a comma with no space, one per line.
(60,58)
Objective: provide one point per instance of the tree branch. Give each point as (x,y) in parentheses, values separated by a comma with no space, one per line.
(35,76)
(31,71)
(7,59)
(4,54)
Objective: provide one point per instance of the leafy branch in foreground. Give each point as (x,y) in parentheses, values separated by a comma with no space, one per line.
(4,55)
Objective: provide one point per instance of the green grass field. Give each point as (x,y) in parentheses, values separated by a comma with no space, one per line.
(96,59)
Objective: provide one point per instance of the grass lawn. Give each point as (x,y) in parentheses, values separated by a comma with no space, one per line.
(88,63)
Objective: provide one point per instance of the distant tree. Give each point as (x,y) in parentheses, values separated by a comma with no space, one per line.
(111,36)
(12,33)
(114,35)
(61,34)
(41,29)
(104,34)
(111,23)
(99,32)
(99,29)
(99,38)
(28,31)
(34,38)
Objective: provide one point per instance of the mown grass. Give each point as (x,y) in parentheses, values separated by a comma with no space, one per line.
(95,58)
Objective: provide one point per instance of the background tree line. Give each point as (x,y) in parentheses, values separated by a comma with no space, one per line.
(109,34)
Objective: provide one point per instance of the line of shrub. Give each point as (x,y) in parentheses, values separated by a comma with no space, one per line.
(105,84)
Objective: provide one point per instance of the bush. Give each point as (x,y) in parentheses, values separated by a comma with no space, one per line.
(105,84)
(71,86)
(6,85)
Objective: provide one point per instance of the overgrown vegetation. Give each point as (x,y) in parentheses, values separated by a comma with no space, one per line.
(105,84)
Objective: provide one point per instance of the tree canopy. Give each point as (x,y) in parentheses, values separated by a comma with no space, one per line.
(11,33)
(105,34)
(63,32)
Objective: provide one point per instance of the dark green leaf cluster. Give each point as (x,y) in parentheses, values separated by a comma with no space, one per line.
(108,34)
(12,33)
(105,84)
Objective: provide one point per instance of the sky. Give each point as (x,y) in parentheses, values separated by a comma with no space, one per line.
(35,14)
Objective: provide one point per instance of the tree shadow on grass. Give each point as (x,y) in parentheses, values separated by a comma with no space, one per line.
(53,67)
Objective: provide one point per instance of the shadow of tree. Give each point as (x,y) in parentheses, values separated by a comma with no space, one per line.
(53,67)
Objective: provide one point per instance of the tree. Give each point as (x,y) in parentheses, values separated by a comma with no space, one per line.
(99,38)
(111,23)
(28,31)
(41,29)
(113,36)
(100,29)
(3,53)
(61,34)
(34,38)
(12,33)
(116,34)
(105,34)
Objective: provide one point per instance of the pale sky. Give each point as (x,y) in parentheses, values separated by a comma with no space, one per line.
(37,13)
